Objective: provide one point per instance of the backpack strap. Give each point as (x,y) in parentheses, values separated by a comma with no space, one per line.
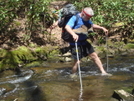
(75,23)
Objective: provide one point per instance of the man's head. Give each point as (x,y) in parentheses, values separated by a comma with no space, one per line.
(87,13)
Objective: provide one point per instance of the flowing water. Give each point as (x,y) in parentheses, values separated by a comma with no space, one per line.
(53,82)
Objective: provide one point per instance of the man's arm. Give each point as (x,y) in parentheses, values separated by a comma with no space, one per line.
(100,27)
(69,29)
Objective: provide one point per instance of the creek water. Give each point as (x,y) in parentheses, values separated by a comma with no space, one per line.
(53,83)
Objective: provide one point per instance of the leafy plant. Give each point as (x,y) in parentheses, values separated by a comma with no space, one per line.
(32,10)
(110,12)
(37,13)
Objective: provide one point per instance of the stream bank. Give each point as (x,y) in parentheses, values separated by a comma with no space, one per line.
(14,58)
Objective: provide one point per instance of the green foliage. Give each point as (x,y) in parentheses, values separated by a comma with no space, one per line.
(36,7)
(32,10)
(110,11)
(8,11)
(37,13)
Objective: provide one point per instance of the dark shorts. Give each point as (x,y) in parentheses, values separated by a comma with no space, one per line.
(83,50)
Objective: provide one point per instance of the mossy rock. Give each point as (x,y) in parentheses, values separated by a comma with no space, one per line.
(54,53)
(10,59)
(36,64)
(47,51)
(24,54)
(54,60)
(123,95)
(41,53)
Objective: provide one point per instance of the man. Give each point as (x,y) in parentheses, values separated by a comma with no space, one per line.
(84,47)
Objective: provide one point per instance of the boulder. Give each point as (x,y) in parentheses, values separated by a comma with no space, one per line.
(122,95)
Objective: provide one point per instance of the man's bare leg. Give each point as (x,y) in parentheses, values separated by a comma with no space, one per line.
(98,62)
(74,70)
(75,66)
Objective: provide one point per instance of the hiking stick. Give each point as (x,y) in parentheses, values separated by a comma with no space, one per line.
(107,51)
(78,63)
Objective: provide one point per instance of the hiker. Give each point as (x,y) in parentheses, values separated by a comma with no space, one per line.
(84,47)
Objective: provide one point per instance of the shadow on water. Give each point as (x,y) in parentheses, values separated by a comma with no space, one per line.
(33,92)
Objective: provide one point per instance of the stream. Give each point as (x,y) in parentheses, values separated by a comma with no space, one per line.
(53,83)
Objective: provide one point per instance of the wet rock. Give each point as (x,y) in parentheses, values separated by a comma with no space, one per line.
(133,92)
(68,54)
(122,95)
(132,69)
(131,51)
(66,57)
(124,54)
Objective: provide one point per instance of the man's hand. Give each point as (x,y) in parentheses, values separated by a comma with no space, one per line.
(54,25)
(105,30)
(75,37)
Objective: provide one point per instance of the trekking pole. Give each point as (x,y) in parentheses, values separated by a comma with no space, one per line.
(107,51)
(81,88)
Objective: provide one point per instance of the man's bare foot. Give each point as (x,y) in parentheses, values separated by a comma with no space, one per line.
(106,74)
(74,76)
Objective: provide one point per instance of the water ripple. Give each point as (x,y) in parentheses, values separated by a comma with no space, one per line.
(24,75)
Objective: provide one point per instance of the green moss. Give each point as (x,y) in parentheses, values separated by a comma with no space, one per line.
(23,53)
(32,64)
(41,53)
(8,61)
(11,59)
(53,53)
(32,45)
(129,46)
(48,51)
(42,50)
(100,49)
(128,89)
(3,52)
